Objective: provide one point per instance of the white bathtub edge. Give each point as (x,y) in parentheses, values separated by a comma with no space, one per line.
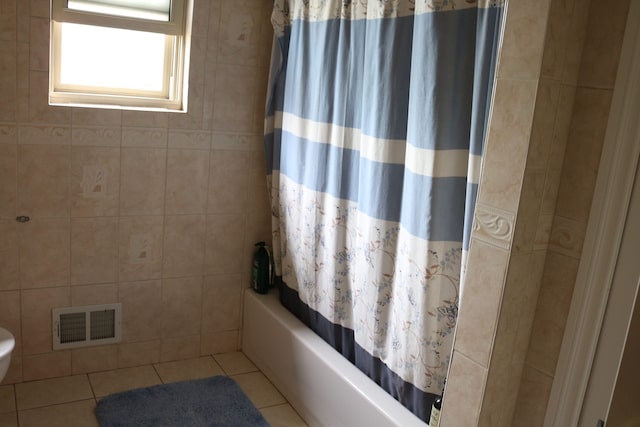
(324,387)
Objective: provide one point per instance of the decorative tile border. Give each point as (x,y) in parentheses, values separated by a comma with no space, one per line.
(493,226)
(567,237)
(144,137)
(190,139)
(55,135)
(96,136)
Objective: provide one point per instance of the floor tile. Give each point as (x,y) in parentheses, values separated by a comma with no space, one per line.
(235,363)
(9,419)
(7,399)
(190,369)
(35,394)
(261,392)
(105,383)
(65,415)
(282,416)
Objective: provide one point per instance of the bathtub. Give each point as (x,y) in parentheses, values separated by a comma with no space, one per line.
(325,388)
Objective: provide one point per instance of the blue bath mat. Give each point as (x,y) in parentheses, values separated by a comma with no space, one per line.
(212,402)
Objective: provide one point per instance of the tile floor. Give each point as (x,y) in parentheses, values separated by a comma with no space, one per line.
(70,401)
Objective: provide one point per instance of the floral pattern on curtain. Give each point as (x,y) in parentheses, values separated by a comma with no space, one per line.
(375,122)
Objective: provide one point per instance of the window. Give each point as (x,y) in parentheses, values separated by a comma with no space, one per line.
(130,54)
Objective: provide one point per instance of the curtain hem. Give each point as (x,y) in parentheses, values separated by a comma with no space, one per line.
(342,340)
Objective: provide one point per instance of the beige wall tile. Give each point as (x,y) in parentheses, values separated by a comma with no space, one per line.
(184,240)
(557,38)
(220,342)
(230,141)
(10,317)
(181,306)
(603,44)
(44,253)
(8,133)
(198,59)
(582,156)
(543,124)
(148,119)
(142,181)
(529,210)
(507,143)
(36,305)
(561,129)
(96,136)
(140,247)
(141,310)
(228,182)
(9,275)
(551,312)
(96,117)
(567,237)
(190,139)
(60,162)
(224,244)
(187,176)
(7,399)
(43,180)
(239,40)
(39,44)
(95,181)
(535,388)
(47,365)
(138,353)
(14,374)
(9,419)
(39,109)
(178,348)
(44,134)
(478,316)
(94,359)
(94,294)
(221,303)
(235,88)
(467,381)
(8,180)
(193,119)
(144,137)
(94,250)
(575,43)
(524,36)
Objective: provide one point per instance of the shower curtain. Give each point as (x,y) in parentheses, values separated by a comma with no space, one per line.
(375,122)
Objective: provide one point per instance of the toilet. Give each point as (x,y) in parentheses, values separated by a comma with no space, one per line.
(7,342)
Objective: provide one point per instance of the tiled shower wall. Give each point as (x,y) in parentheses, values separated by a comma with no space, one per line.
(158,211)
(555,79)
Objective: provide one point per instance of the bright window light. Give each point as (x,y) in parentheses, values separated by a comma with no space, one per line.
(155,10)
(112,57)
(126,54)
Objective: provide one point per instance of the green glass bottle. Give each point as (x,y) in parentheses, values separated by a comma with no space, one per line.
(261,271)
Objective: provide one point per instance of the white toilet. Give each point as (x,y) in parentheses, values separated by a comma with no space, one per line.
(7,342)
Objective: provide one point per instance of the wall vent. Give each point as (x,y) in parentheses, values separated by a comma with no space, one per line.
(86,326)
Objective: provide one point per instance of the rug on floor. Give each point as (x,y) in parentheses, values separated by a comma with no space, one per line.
(213,402)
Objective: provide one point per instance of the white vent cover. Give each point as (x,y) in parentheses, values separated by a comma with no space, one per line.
(86,326)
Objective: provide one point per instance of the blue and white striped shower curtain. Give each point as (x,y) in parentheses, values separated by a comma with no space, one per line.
(374,130)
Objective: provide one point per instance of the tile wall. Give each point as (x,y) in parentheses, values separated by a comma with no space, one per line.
(555,80)
(157,211)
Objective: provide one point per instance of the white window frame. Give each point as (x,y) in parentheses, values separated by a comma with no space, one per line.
(172,97)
